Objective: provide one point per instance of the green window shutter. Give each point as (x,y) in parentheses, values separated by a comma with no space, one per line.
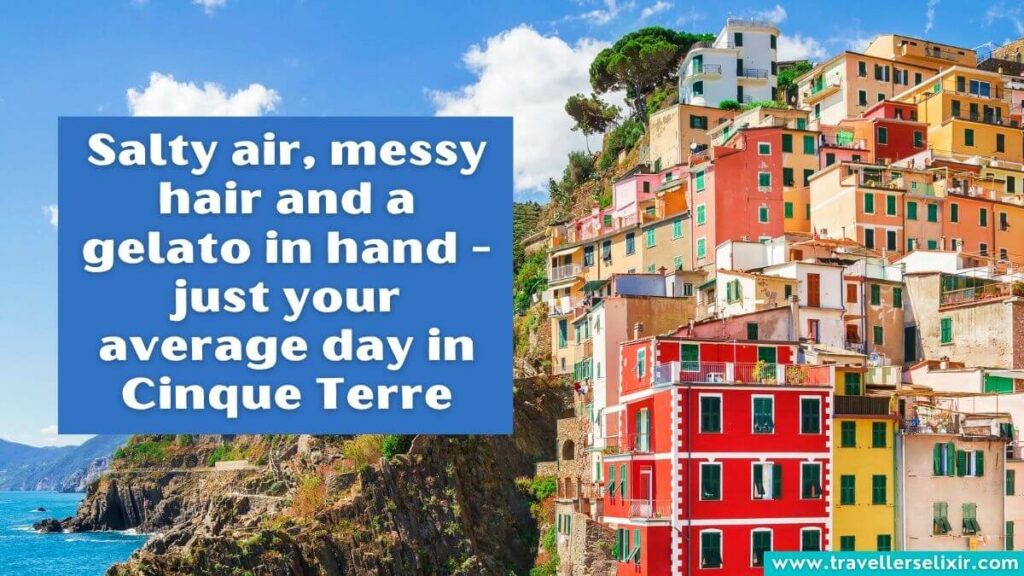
(623,481)
(954,212)
(788,210)
(758,479)
(878,489)
(809,145)
(763,415)
(764,179)
(884,542)
(701,213)
(711,550)
(787,142)
(810,541)
(1011,482)
(701,248)
(762,214)
(961,463)
(649,236)
(807,176)
(677,228)
(933,212)
(752,330)
(897,297)
(848,435)
(979,463)
(776,481)
(911,210)
(788,179)
(946,330)
(937,451)
(876,295)
(811,482)
(847,543)
(700,180)
(636,545)
(869,202)
(890,205)
(810,416)
(950,459)
(878,335)
(1009,535)
(848,489)
(710,414)
(968,137)
(879,434)
(851,384)
(610,487)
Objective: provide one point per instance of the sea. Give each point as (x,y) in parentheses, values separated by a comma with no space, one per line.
(23,552)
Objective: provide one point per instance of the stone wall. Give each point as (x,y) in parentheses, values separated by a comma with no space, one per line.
(589,549)
(572,444)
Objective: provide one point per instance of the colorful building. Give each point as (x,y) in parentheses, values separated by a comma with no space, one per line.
(724,456)
(920,52)
(673,130)
(740,65)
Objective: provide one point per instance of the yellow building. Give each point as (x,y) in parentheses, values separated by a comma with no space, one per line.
(910,50)
(863,481)
(967,114)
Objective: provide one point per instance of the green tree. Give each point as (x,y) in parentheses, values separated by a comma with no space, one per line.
(729,105)
(790,73)
(591,114)
(639,62)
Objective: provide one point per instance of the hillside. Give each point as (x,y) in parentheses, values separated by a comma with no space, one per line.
(64,469)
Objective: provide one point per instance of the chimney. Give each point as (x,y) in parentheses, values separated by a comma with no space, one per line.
(794,317)
(638,330)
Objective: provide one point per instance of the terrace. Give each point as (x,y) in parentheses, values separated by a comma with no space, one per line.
(672,373)
(981,293)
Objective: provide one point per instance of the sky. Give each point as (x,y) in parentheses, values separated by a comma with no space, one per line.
(329,58)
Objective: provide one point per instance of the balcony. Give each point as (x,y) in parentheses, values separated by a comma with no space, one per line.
(975,294)
(561,273)
(671,373)
(861,406)
(884,375)
(628,444)
(752,74)
(559,306)
(992,119)
(649,509)
(842,141)
(820,91)
(704,70)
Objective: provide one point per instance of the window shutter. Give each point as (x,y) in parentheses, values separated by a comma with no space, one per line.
(979,463)
(961,463)
(937,460)
(776,481)
(950,459)
(622,481)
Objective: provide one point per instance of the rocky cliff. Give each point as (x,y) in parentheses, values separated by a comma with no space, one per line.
(65,469)
(301,505)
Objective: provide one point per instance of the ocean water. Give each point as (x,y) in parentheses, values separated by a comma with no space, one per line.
(23,552)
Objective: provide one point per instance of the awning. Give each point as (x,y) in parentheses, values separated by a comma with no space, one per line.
(594,285)
(707,284)
(566,251)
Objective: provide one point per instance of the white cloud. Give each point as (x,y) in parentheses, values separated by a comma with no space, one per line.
(656,8)
(689,18)
(776,15)
(167,97)
(1014,15)
(50,430)
(508,83)
(48,436)
(51,214)
(609,11)
(797,47)
(210,5)
(929,15)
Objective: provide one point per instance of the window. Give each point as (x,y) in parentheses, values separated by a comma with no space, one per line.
(847,489)
(848,434)
(830,159)
(810,540)
(622,481)
(787,177)
(677,228)
(940,518)
(917,78)
(1011,482)
(890,205)
(1004,221)
(767,481)
(933,212)
(710,414)
(1000,143)
(1009,535)
(701,248)
(879,434)
(711,481)
(810,416)
(588,256)
(698,122)
(787,142)
(946,330)
(878,489)
(862,69)
(788,210)
(918,139)
(610,486)
(810,480)
(883,135)
(737,39)
(851,293)
(807,179)
(809,147)
(764,149)
(762,214)
(649,237)
(760,542)
(890,240)
(869,203)
(869,237)
(711,547)
(630,243)
(970,524)
(897,297)
(954,212)
(977,87)
(876,295)
(943,459)
(983,217)
(687,289)
(880,97)
(955,110)
(772,41)
(563,333)
(701,214)
(983,249)
(884,542)
(1011,185)
(698,88)
(764,179)
(606,250)
(911,210)
(1003,254)
(968,137)
(877,335)
(847,543)
(787,291)
(641,362)
(677,263)
(764,414)
(700,180)
(752,330)
(851,383)
(862,98)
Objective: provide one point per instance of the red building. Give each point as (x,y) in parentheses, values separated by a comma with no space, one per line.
(736,191)
(888,131)
(726,456)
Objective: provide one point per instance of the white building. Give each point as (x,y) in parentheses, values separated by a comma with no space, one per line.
(739,65)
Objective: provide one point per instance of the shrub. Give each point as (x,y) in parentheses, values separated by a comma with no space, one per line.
(310,496)
(395,444)
(144,451)
(729,105)
(364,450)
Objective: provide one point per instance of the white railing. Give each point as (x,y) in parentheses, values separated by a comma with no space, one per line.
(562,272)
(559,306)
(741,372)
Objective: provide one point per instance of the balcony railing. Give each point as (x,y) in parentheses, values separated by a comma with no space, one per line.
(628,444)
(741,373)
(946,424)
(884,375)
(559,306)
(987,119)
(559,273)
(840,141)
(650,509)
(757,73)
(980,293)
(861,406)
(705,70)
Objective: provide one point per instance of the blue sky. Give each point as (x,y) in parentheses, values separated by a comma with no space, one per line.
(313,58)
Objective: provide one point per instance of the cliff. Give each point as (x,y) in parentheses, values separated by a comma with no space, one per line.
(65,469)
(330,505)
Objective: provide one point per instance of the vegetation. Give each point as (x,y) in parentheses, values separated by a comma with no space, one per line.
(639,62)
(623,137)
(530,279)
(765,104)
(526,219)
(578,170)
(310,496)
(223,453)
(788,75)
(729,105)
(591,114)
(364,450)
(144,450)
(395,444)
(549,543)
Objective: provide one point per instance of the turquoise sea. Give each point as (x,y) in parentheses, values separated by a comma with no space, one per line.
(23,552)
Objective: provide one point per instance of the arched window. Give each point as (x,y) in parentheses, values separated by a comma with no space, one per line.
(568,450)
